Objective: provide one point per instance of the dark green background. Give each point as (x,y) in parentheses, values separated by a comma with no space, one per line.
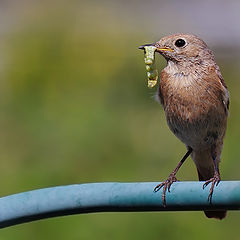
(75,108)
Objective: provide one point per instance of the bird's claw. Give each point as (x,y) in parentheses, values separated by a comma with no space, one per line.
(215,180)
(166,186)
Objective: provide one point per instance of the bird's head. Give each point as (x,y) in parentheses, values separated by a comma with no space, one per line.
(182,47)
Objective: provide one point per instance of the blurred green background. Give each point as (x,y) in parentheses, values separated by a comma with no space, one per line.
(75,108)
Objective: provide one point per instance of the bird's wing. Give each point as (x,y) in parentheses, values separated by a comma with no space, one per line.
(214,76)
(225,94)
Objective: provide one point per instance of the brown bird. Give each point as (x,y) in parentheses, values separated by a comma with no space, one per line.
(196,102)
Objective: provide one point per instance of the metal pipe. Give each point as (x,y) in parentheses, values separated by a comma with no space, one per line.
(114,197)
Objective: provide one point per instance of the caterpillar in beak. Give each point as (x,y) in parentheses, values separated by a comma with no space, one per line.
(149,59)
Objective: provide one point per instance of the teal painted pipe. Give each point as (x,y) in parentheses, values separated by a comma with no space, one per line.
(114,197)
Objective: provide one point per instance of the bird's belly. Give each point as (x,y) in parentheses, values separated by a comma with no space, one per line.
(199,131)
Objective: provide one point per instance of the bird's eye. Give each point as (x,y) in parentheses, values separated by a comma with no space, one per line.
(180,43)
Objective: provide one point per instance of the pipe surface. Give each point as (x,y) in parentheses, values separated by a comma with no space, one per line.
(114,197)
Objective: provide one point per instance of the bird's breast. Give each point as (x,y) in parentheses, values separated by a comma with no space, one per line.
(193,109)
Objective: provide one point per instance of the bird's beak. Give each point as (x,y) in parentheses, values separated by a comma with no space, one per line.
(160,49)
(166,49)
(146,45)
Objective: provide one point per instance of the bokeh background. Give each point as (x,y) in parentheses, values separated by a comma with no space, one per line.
(75,108)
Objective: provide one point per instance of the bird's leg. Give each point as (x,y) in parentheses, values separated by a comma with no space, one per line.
(214,180)
(171,178)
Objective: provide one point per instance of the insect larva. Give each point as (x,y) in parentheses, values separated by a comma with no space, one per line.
(152,73)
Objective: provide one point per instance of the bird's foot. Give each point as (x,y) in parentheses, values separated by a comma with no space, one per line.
(215,181)
(166,186)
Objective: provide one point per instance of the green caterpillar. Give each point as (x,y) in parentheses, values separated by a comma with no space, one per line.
(149,59)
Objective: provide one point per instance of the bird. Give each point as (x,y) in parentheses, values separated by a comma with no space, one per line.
(195,100)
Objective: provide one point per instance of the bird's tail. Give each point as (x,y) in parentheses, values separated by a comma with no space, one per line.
(205,168)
